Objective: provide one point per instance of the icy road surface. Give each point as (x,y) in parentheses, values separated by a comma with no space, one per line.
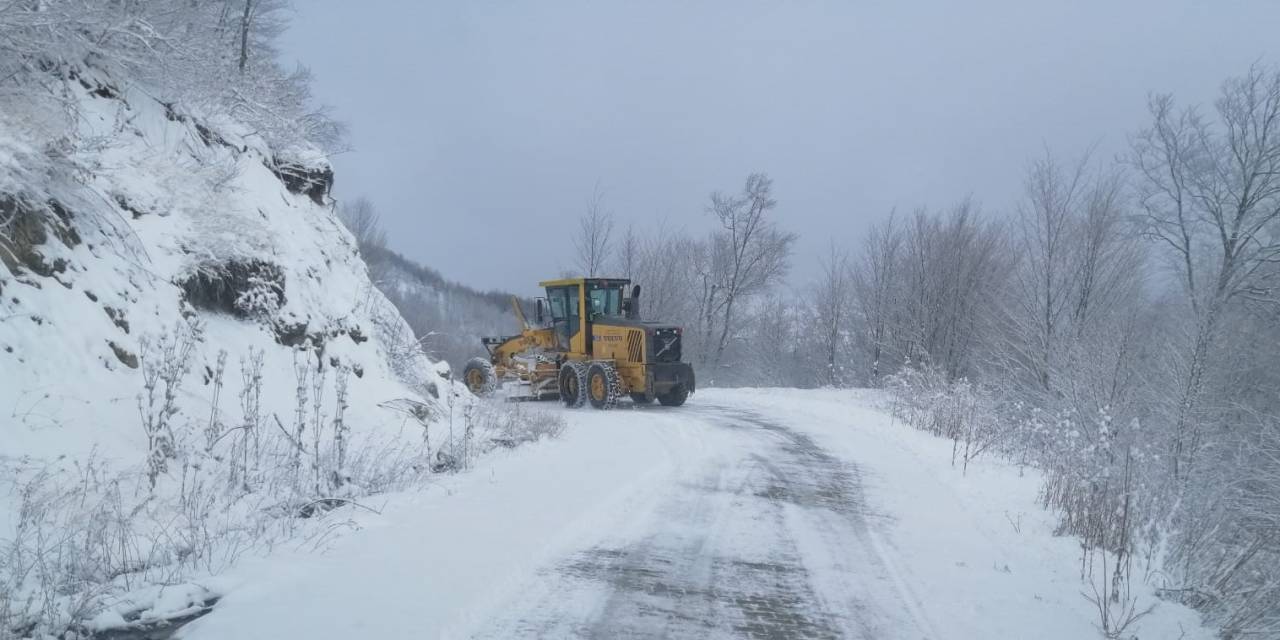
(744,514)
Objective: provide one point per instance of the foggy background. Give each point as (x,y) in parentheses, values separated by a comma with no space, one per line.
(481,129)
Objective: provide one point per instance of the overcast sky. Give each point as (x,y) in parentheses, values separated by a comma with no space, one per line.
(481,128)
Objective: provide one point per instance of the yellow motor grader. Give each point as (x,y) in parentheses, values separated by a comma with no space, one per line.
(587,343)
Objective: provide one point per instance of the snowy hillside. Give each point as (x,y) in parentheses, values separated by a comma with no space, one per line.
(184,227)
(193,360)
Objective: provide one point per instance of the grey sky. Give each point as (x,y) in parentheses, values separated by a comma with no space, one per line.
(481,128)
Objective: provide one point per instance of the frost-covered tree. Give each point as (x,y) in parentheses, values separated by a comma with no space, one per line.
(1211,196)
(747,255)
(208,57)
(875,294)
(365,223)
(1077,263)
(952,267)
(830,317)
(665,270)
(1146,395)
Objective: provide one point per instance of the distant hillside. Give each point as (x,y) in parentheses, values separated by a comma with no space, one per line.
(447,317)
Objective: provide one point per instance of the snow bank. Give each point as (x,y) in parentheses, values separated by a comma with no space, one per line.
(974,552)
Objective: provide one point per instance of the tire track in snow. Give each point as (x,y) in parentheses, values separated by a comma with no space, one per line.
(770,541)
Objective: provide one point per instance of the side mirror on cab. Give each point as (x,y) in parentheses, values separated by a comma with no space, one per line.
(539,311)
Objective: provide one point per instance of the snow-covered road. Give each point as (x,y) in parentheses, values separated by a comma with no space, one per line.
(769,540)
(753,513)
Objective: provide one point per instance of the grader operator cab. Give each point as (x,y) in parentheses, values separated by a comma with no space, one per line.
(587,343)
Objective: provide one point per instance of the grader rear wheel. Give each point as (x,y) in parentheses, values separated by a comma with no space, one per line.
(674,397)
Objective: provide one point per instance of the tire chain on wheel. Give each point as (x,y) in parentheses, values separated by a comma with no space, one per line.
(580,372)
(612,384)
(487,370)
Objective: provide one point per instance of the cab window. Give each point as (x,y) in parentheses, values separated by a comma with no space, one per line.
(564,309)
(558,300)
(604,300)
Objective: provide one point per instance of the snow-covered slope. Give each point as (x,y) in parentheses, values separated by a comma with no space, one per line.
(194,361)
(172,227)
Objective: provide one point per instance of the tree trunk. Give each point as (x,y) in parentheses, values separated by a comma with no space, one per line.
(1185,426)
(245,21)
(724,330)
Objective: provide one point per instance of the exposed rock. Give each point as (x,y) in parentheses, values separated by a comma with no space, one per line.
(291,334)
(100,89)
(127,205)
(117,317)
(27,227)
(211,137)
(314,182)
(244,289)
(126,357)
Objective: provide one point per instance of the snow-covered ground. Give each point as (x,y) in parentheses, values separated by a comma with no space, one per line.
(747,513)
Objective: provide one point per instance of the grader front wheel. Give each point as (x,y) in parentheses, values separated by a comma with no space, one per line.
(480,377)
(603,385)
(573,383)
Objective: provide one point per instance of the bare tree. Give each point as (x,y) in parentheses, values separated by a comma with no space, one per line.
(748,255)
(875,290)
(595,236)
(1109,261)
(831,308)
(953,265)
(1044,237)
(628,253)
(1213,199)
(363,221)
(666,269)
